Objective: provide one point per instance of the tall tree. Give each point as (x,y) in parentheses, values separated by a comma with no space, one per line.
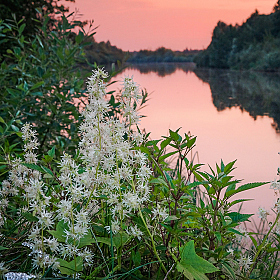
(28,9)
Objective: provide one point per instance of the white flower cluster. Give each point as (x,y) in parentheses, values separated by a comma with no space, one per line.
(109,167)
(18,276)
(160,213)
(113,168)
(245,262)
(262,213)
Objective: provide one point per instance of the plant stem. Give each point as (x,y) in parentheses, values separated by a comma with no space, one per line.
(261,246)
(152,240)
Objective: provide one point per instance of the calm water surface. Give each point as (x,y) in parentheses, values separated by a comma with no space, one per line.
(234,115)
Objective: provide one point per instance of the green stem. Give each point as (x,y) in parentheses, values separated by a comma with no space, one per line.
(262,245)
(151,236)
(42,238)
(152,240)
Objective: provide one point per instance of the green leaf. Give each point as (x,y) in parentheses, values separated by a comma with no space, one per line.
(136,258)
(191,142)
(21,28)
(193,266)
(33,166)
(229,270)
(174,135)
(120,239)
(86,240)
(243,188)
(59,233)
(254,241)
(3,248)
(166,156)
(29,217)
(79,37)
(106,240)
(237,217)
(1,120)
(218,235)
(164,143)
(69,268)
(37,85)
(47,170)
(171,218)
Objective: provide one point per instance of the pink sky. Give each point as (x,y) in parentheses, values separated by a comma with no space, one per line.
(176,24)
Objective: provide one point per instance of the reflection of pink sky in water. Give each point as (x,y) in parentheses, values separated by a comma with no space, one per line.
(182,100)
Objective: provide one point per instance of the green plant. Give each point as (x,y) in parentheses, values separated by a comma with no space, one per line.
(117,209)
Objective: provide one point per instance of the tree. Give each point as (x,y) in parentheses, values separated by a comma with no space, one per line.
(29,11)
(276,6)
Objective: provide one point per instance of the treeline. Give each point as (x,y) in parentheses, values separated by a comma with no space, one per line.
(253,45)
(161,55)
(103,53)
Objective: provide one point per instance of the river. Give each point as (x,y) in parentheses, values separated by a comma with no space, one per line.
(235,115)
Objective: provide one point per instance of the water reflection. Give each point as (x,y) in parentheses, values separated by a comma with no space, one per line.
(228,112)
(162,69)
(257,93)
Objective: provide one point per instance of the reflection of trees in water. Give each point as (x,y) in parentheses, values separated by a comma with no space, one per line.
(162,69)
(257,93)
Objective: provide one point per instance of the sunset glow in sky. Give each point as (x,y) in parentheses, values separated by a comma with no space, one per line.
(176,24)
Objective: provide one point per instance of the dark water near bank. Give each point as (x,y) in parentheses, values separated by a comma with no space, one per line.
(235,115)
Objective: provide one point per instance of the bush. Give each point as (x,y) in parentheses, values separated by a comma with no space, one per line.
(116,209)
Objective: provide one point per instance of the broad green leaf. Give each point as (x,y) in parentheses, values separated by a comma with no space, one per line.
(69,268)
(193,266)
(86,240)
(59,233)
(120,239)
(1,120)
(106,240)
(3,248)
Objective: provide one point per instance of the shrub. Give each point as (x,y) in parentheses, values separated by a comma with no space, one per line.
(116,209)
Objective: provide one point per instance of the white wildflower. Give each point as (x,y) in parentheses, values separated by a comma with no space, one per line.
(275,185)
(245,262)
(159,212)
(262,213)
(115,227)
(18,276)
(134,231)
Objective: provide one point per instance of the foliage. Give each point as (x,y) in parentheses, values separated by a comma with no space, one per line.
(103,53)
(118,208)
(252,45)
(15,10)
(40,83)
(161,55)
